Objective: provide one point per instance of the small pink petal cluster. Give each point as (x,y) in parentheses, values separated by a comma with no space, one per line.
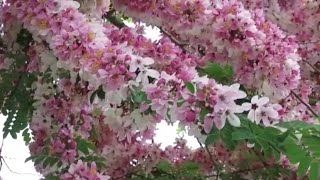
(261,53)
(81,170)
(110,86)
(117,60)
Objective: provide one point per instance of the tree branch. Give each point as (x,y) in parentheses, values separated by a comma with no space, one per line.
(174,40)
(211,158)
(306,104)
(314,67)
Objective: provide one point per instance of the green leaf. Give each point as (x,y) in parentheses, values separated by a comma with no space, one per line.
(304,166)
(191,87)
(226,137)
(211,138)
(242,134)
(93,95)
(276,154)
(221,73)
(84,146)
(294,152)
(52,177)
(13,134)
(164,166)
(100,161)
(139,97)
(24,38)
(5,134)
(100,93)
(203,113)
(39,159)
(190,166)
(30,158)
(295,125)
(315,171)
(26,136)
(284,136)
(49,161)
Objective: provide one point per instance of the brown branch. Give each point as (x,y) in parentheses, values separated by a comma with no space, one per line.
(174,40)
(253,169)
(314,67)
(306,104)
(211,158)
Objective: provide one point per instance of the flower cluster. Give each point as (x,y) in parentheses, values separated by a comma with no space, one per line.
(227,32)
(100,90)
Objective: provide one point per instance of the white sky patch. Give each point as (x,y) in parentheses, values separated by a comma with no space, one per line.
(14,153)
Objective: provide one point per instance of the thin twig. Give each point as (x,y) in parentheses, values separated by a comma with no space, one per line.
(314,67)
(306,104)
(251,169)
(199,142)
(2,159)
(1,154)
(211,158)
(174,40)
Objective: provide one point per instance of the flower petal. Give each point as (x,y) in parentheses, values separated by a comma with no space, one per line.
(234,120)
(208,123)
(254,99)
(266,121)
(133,66)
(147,61)
(235,86)
(152,73)
(272,113)
(219,121)
(251,115)
(262,101)
(246,106)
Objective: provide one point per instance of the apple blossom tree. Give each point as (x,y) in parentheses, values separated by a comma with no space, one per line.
(87,91)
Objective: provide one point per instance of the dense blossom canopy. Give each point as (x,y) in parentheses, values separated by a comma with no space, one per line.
(242,77)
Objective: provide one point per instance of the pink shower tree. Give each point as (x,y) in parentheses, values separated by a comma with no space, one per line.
(86,91)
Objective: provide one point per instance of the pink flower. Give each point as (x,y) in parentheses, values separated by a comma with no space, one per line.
(208,123)
(69,156)
(227,95)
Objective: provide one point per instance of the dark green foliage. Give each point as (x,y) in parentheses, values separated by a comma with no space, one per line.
(16,97)
(85,146)
(300,142)
(221,73)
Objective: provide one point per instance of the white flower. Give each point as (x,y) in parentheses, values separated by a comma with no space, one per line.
(266,114)
(113,117)
(139,63)
(228,114)
(143,76)
(227,95)
(63,5)
(275,94)
(260,110)
(255,105)
(117,96)
(164,75)
(138,121)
